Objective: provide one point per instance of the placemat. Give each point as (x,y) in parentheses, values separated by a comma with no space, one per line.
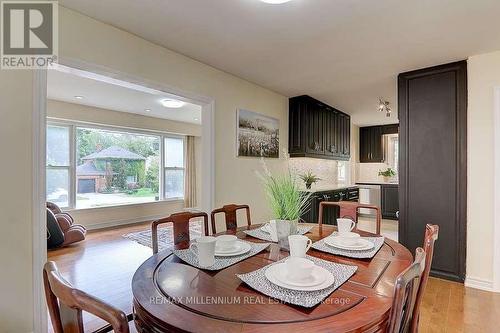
(366,254)
(258,233)
(258,281)
(191,257)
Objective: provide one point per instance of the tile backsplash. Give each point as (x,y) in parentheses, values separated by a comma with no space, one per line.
(368,172)
(327,170)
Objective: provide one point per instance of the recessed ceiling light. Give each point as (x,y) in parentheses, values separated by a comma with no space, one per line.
(147,110)
(275,2)
(78,97)
(172,103)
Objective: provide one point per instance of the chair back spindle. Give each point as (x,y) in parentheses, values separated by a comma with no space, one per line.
(66,305)
(405,295)
(350,209)
(230,212)
(180,223)
(431,235)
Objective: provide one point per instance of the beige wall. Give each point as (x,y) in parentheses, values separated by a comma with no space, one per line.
(94,42)
(109,216)
(90,40)
(483,77)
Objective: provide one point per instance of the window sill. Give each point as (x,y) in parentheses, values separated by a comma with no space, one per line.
(172,200)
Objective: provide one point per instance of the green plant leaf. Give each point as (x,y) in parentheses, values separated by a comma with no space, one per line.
(286,200)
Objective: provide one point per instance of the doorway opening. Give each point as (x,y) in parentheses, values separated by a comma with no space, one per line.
(111,150)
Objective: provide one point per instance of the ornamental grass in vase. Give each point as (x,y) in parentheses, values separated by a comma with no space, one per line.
(287,202)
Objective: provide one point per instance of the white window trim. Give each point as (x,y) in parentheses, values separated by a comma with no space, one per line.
(72,188)
(70,167)
(165,168)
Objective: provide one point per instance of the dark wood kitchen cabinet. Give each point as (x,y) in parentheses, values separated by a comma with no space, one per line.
(371,145)
(331,213)
(345,135)
(433,163)
(332,126)
(318,130)
(389,195)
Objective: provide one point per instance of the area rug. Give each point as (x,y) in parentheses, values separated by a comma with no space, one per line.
(165,235)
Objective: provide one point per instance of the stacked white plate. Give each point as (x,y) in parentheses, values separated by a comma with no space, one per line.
(361,244)
(318,280)
(239,248)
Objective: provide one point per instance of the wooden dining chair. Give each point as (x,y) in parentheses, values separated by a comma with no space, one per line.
(66,304)
(230,212)
(180,223)
(350,209)
(431,235)
(405,295)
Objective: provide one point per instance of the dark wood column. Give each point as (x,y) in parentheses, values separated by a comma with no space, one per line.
(433,162)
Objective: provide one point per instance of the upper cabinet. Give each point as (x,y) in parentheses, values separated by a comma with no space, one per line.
(371,145)
(318,130)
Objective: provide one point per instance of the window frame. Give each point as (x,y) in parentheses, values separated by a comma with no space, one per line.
(395,151)
(165,168)
(391,149)
(70,167)
(73,125)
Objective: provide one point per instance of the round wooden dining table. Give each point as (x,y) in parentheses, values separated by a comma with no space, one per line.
(172,296)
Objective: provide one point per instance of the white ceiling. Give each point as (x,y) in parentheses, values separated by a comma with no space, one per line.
(346,53)
(111,94)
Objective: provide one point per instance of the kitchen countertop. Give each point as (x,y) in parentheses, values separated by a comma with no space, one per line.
(376,183)
(333,187)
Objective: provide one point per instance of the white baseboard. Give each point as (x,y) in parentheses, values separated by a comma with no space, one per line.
(478,283)
(117,223)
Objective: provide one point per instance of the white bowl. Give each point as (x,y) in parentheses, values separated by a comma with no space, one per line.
(349,238)
(226,242)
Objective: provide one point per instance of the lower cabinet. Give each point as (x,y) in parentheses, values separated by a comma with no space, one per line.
(330,213)
(389,201)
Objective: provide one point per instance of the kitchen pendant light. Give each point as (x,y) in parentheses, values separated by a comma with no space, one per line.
(383,106)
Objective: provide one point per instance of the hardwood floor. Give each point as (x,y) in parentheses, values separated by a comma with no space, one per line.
(104,256)
(450,307)
(103,265)
(388,228)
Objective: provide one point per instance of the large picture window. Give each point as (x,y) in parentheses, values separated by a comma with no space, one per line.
(90,167)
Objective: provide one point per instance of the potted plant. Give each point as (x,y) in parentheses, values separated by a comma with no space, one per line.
(287,203)
(387,174)
(309,178)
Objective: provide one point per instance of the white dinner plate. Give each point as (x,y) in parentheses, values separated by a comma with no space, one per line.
(317,277)
(240,248)
(362,244)
(273,274)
